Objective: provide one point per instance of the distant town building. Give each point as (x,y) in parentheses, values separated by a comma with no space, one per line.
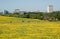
(18,11)
(50,8)
(6,12)
(37,11)
(1,13)
(22,12)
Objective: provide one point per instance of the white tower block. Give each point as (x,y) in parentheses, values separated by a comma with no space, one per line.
(50,8)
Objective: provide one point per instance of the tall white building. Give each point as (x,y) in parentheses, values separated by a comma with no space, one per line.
(50,8)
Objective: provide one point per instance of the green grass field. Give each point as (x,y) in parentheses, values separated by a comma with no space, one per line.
(23,28)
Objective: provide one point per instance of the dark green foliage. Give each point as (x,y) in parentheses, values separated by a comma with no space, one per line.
(52,16)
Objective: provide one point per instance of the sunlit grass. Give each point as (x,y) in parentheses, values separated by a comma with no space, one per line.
(22,28)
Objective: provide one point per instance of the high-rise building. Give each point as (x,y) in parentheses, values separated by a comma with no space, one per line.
(50,8)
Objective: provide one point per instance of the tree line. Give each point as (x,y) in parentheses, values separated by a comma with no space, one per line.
(52,16)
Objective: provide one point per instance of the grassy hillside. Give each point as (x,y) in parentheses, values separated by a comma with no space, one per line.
(16,20)
(22,28)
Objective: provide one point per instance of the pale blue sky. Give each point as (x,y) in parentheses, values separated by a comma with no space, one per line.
(28,5)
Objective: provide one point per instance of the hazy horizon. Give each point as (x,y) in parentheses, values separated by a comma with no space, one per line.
(28,5)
